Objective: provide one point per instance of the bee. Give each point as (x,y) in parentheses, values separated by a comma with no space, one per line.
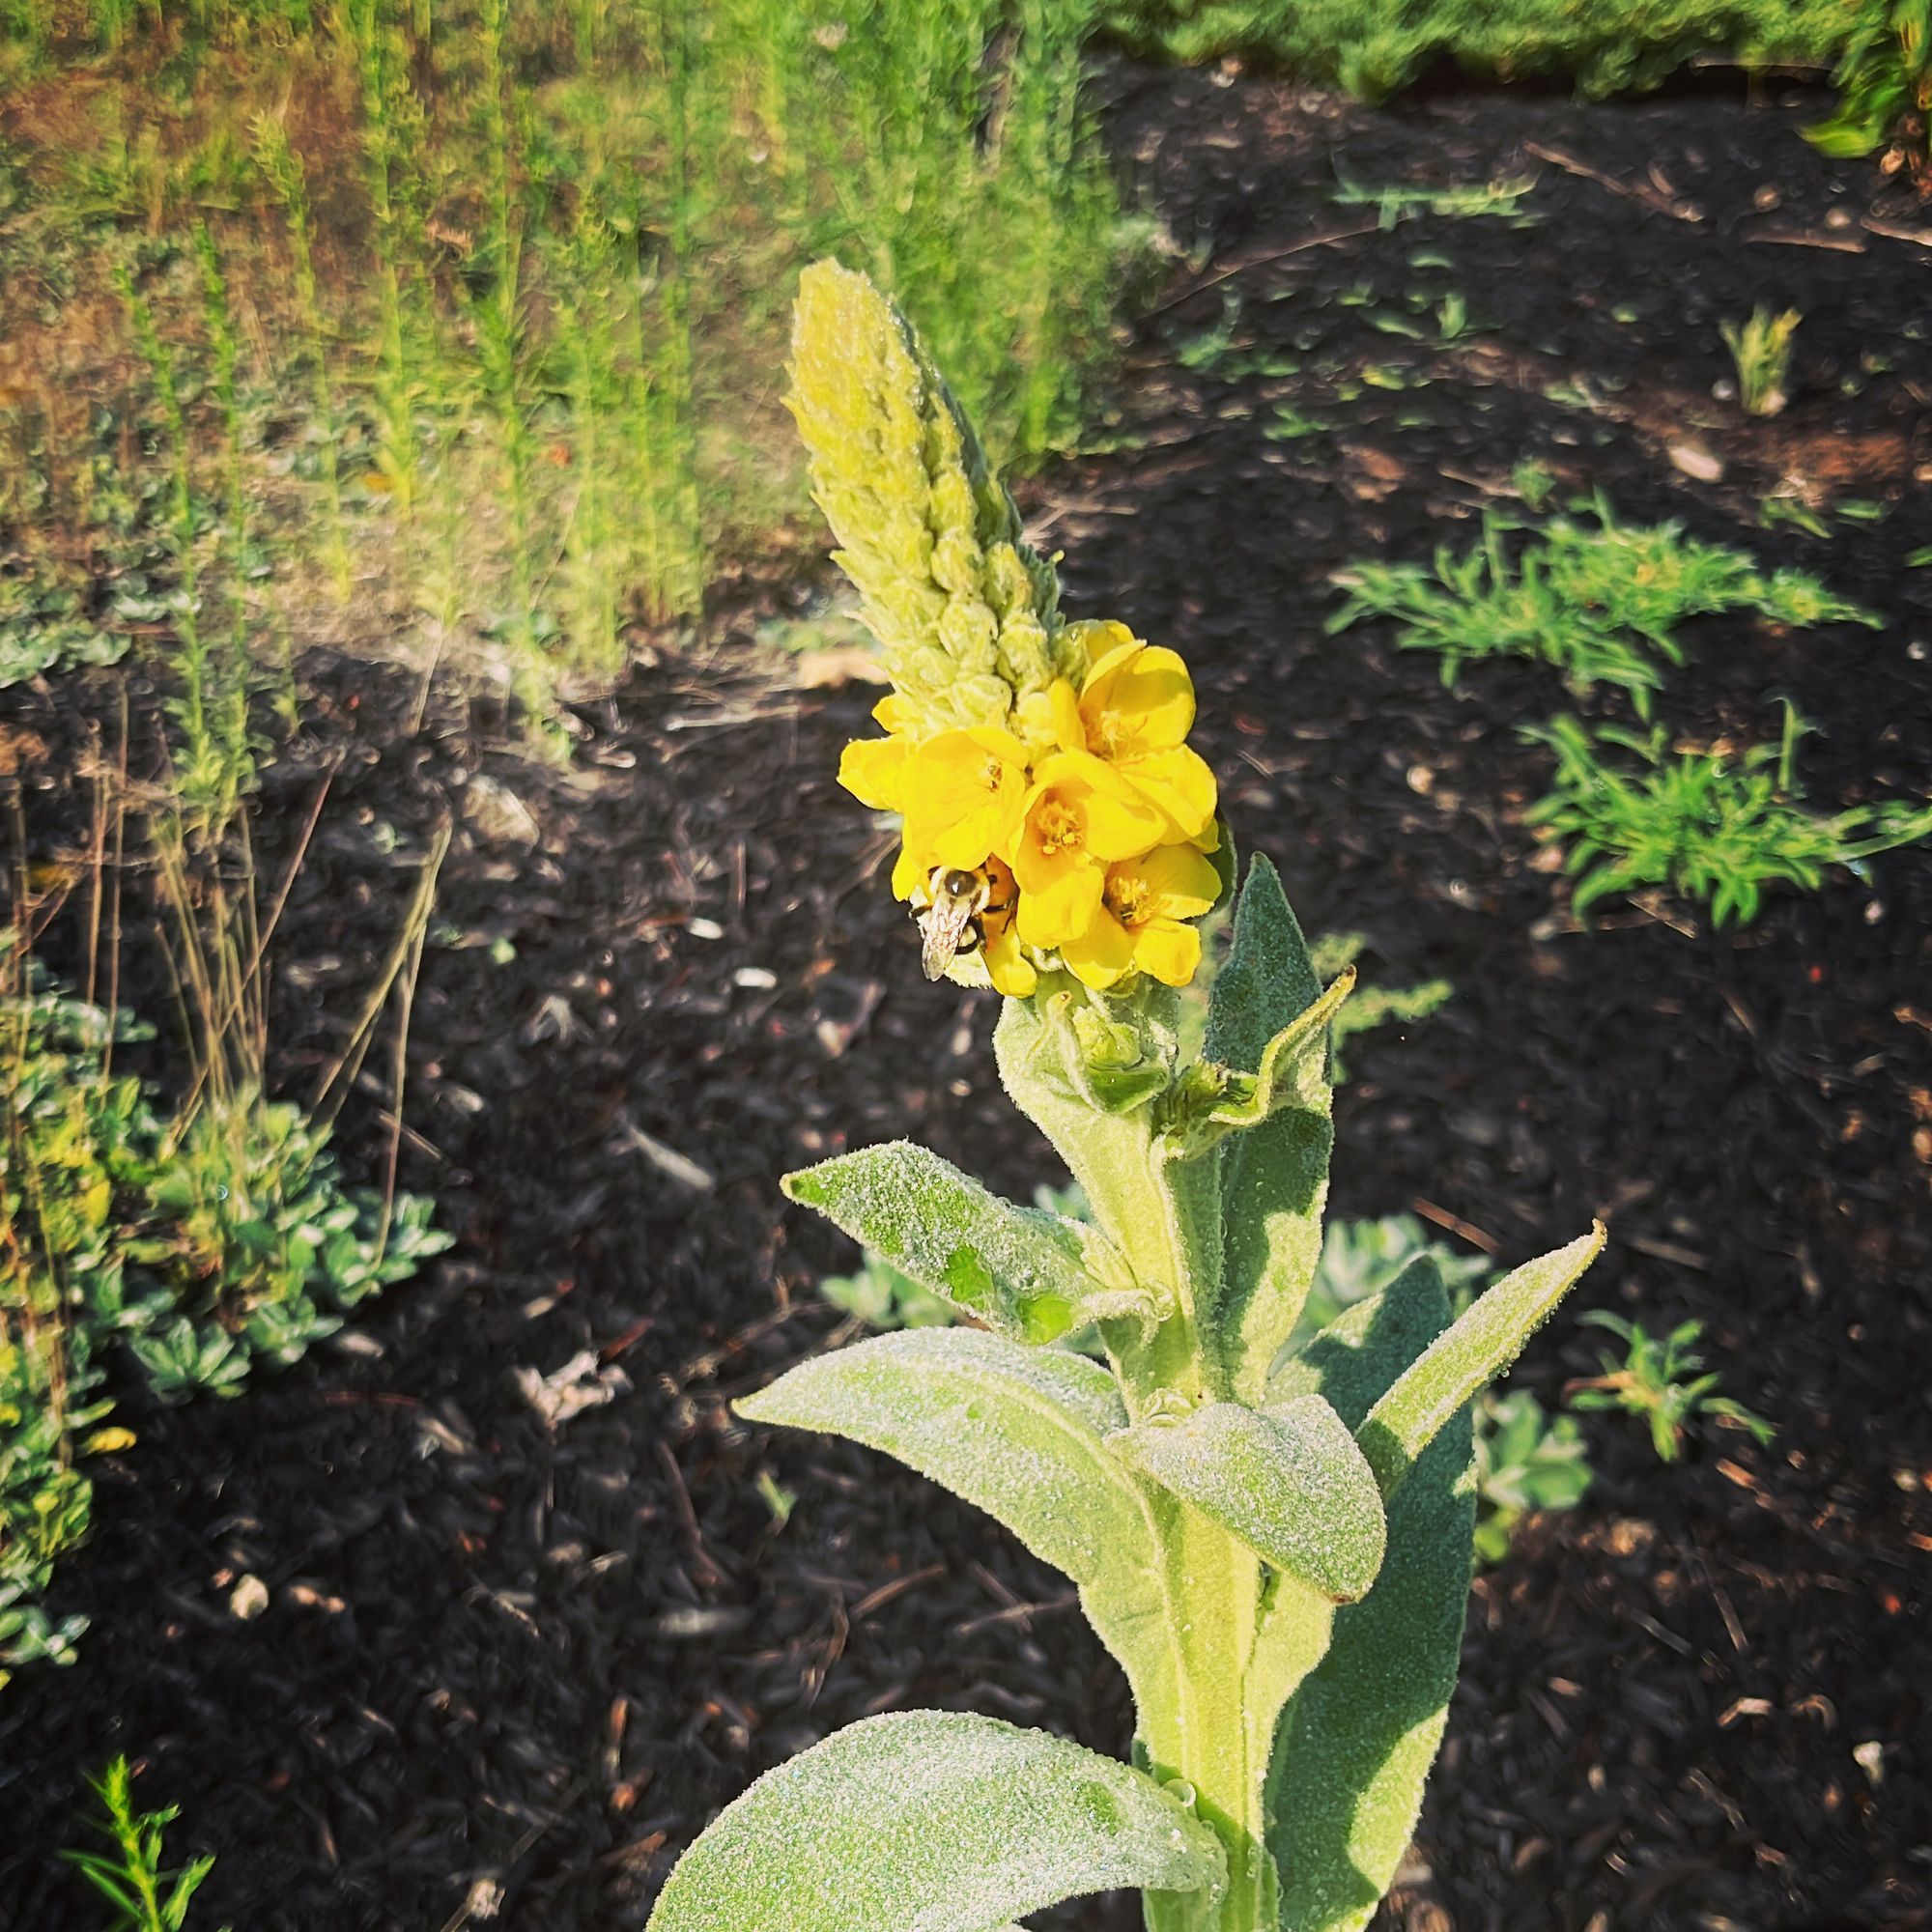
(951,912)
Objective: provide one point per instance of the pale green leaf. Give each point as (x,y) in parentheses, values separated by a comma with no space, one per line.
(1019,1432)
(1355,1743)
(1290,1484)
(1485,1342)
(1016,1270)
(932,1821)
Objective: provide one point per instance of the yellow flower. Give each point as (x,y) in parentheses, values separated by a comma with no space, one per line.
(1142,924)
(1080,815)
(964,793)
(1135,708)
(873,769)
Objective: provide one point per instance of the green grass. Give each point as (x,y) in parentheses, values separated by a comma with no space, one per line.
(1608,45)
(464,299)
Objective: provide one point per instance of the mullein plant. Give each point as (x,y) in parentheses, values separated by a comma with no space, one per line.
(1274,1548)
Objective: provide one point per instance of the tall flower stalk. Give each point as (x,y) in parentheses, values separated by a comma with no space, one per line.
(1275,1548)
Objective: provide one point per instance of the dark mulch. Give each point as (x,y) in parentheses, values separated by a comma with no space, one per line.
(496,1653)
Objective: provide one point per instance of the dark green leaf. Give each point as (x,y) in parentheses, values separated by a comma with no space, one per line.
(1355,1743)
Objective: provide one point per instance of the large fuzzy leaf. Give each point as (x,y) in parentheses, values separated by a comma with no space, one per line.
(932,1821)
(1016,1270)
(1275,1176)
(1290,1484)
(1020,1433)
(1354,1743)
(1487,1339)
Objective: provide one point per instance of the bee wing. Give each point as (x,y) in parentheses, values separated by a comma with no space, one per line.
(941,926)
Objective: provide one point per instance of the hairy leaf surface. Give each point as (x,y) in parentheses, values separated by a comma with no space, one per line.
(1290,1484)
(1015,1268)
(1487,1339)
(1356,1741)
(1020,1433)
(932,1821)
(1274,1178)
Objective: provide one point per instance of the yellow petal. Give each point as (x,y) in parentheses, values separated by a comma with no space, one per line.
(1102,954)
(965,792)
(1141,699)
(1009,969)
(893,712)
(1168,949)
(1062,909)
(909,874)
(1068,730)
(873,771)
(1179,786)
(1183,882)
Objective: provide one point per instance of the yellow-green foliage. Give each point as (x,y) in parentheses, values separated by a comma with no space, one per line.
(1608,45)
(501,269)
(963,609)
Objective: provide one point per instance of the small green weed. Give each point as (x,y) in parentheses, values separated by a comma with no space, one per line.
(1526,1460)
(1289,424)
(199,1244)
(145,1896)
(1601,605)
(1780,509)
(880,1296)
(1369,1006)
(1714,827)
(1883,79)
(1658,1383)
(1761,350)
(1608,45)
(1401,201)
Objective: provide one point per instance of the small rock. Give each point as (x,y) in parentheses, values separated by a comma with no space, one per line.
(1696,463)
(496,815)
(248,1599)
(1767,198)
(581,1383)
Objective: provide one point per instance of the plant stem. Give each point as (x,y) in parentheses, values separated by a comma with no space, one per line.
(1202,1735)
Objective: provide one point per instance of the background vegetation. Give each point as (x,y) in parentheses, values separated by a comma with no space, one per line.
(1606,44)
(466,321)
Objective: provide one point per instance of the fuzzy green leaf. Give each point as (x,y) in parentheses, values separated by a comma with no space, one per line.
(1019,1432)
(1485,1342)
(1016,1270)
(1269,977)
(1355,1743)
(1274,1178)
(1294,1073)
(1290,1484)
(933,1819)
